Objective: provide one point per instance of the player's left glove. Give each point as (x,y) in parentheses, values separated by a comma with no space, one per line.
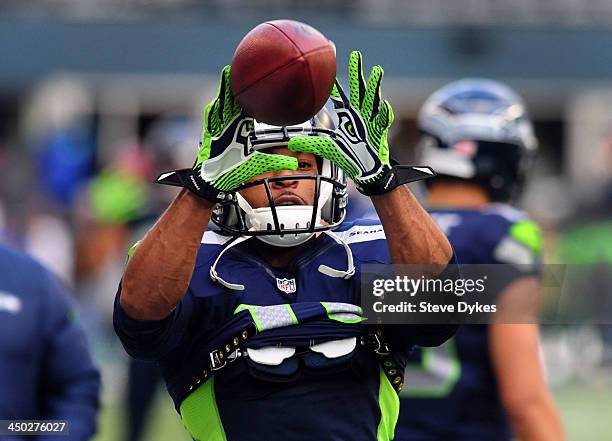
(359,146)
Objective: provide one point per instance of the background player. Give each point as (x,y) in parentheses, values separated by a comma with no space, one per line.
(46,371)
(487,383)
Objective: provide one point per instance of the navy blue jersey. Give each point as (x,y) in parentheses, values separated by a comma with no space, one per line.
(301,402)
(450,391)
(46,371)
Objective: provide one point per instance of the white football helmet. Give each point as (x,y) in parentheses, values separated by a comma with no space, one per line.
(288,225)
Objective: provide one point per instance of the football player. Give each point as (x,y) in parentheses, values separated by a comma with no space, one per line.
(46,369)
(256,326)
(486,383)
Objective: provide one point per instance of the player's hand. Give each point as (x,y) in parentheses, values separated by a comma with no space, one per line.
(360,145)
(225,158)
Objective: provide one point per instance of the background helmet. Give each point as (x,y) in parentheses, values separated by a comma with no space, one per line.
(292,225)
(479,130)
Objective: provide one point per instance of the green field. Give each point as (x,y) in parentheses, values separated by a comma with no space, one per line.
(586,410)
(164,423)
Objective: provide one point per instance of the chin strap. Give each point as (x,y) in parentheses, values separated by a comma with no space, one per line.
(394,177)
(213,271)
(324,269)
(331,272)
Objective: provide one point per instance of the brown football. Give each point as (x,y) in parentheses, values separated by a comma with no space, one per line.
(283,72)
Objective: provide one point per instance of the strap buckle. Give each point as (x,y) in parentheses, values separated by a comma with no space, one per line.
(377,344)
(217,360)
(238,353)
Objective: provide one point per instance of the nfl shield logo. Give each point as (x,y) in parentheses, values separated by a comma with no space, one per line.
(286,285)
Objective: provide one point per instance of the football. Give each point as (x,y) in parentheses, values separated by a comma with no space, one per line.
(283,72)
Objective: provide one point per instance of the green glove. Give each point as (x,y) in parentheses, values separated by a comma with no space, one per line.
(225,158)
(359,146)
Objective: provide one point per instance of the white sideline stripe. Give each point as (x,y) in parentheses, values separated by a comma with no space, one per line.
(362,233)
(212,238)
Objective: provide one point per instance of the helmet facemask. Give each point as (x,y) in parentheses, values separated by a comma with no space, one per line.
(288,225)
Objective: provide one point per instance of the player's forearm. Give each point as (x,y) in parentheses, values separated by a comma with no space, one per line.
(159,271)
(515,348)
(537,420)
(412,235)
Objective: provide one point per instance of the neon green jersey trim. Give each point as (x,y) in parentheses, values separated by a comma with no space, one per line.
(333,316)
(291,313)
(200,414)
(389,404)
(528,233)
(251,309)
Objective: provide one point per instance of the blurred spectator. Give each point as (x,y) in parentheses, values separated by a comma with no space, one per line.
(46,371)
(48,238)
(173,140)
(57,128)
(65,162)
(114,203)
(110,214)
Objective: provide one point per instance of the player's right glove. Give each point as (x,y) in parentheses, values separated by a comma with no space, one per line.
(225,159)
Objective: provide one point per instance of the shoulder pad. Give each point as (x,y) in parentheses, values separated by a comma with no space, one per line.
(211,237)
(509,213)
(522,244)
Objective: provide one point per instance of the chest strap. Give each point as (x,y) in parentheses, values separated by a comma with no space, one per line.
(232,350)
(218,358)
(375,341)
(277,316)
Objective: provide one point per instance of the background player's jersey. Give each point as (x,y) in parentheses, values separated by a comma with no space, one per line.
(46,371)
(450,392)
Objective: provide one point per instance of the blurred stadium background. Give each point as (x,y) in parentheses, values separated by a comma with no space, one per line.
(97,96)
